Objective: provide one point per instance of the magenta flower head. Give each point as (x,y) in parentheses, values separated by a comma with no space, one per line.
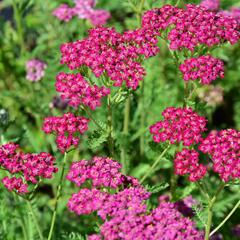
(15,184)
(99,17)
(187,162)
(235,13)
(86,201)
(76,90)
(84,9)
(191,26)
(28,167)
(224,149)
(64,12)
(211,5)
(130,200)
(102,171)
(179,125)
(164,222)
(67,129)
(35,70)
(107,52)
(204,68)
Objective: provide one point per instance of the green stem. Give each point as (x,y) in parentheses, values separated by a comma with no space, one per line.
(226,218)
(185,100)
(125,132)
(92,118)
(139,13)
(110,126)
(141,98)
(35,219)
(151,169)
(59,192)
(142,120)
(18,20)
(202,190)
(210,211)
(209,221)
(173,183)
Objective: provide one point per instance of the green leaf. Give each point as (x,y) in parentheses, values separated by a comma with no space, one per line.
(96,139)
(72,236)
(157,188)
(182,193)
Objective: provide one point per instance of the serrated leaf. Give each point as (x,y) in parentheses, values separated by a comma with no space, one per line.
(182,193)
(157,188)
(157,147)
(72,236)
(96,139)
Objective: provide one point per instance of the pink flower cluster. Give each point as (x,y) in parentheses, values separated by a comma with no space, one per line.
(86,201)
(234,13)
(205,68)
(75,89)
(30,166)
(187,162)
(192,26)
(66,128)
(224,149)
(130,200)
(64,13)
(107,51)
(211,5)
(84,9)
(102,171)
(15,184)
(179,125)
(164,222)
(124,212)
(35,70)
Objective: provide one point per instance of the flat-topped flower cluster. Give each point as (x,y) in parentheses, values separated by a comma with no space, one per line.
(67,129)
(125,212)
(25,168)
(83,9)
(183,125)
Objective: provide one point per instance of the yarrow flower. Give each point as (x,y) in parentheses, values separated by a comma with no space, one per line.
(179,125)
(187,162)
(234,12)
(191,26)
(67,128)
(15,184)
(107,51)
(130,200)
(86,201)
(64,12)
(204,68)
(75,89)
(124,212)
(224,149)
(211,5)
(84,9)
(164,222)
(35,70)
(30,166)
(102,171)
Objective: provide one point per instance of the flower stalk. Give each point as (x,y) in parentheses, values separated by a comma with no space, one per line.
(29,204)
(59,192)
(152,168)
